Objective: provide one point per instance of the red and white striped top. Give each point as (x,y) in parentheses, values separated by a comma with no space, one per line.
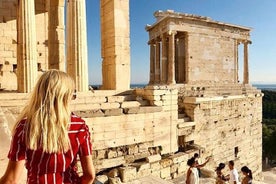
(54,168)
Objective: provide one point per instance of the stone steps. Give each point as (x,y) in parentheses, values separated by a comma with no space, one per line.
(189,124)
(184,125)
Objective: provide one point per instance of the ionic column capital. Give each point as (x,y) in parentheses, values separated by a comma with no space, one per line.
(152,42)
(172,32)
(245,42)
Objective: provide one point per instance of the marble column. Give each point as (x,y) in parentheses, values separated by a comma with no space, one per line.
(180,60)
(26,46)
(152,62)
(236,61)
(56,35)
(77,66)
(177,62)
(164,59)
(187,59)
(245,64)
(157,63)
(171,58)
(115,40)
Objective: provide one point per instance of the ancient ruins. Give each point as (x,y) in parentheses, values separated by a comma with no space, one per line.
(195,100)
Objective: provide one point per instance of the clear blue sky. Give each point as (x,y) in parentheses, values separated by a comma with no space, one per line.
(257,14)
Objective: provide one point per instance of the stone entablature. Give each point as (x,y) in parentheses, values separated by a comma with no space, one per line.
(168,20)
(188,49)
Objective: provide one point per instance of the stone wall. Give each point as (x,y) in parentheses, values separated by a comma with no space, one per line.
(142,132)
(212,58)
(124,127)
(228,128)
(8,37)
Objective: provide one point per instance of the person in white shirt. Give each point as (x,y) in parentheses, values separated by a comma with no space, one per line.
(233,175)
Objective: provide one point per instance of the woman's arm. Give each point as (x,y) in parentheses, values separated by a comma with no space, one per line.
(13,172)
(202,165)
(88,169)
(188,176)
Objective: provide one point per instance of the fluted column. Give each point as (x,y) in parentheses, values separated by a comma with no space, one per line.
(171,58)
(157,62)
(152,63)
(26,46)
(245,64)
(164,59)
(56,37)
(77,66)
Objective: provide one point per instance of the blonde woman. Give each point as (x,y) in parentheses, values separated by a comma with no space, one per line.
(48,138)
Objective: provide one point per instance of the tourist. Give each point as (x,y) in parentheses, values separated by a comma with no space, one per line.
(48,138)
(233,175)
(192,176)
(220,177)
(247,175)
(196,156)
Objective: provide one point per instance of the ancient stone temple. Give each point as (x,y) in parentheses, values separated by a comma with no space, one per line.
(195,101)
(33,40)
(189,49)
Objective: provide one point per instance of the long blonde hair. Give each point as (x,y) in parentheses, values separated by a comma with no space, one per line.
(47,113)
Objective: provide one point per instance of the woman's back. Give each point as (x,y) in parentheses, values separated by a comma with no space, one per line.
(220,177)
(247,180)
(44,167)
(47,138)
